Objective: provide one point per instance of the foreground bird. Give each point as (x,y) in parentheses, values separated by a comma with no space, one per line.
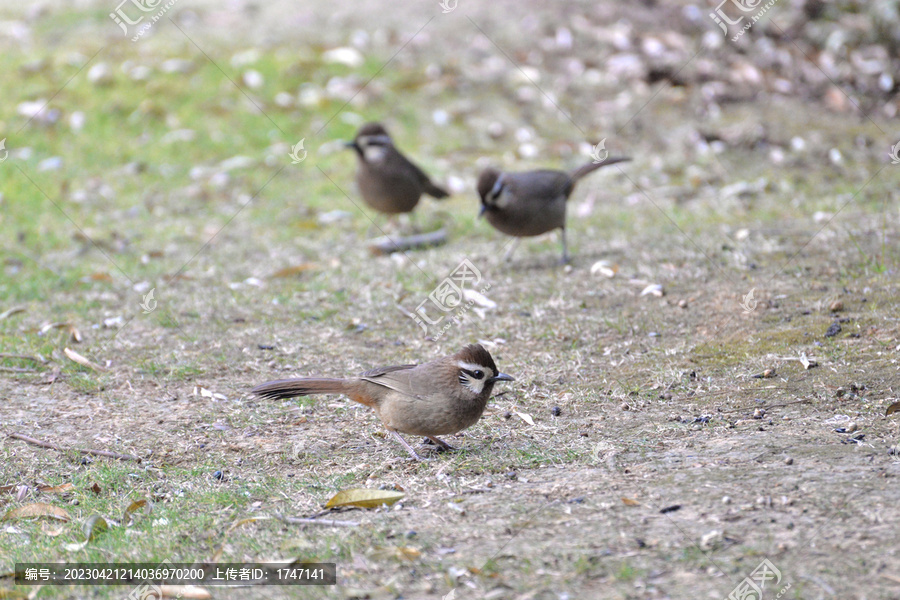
(387,180)
(440,397)
(531,202)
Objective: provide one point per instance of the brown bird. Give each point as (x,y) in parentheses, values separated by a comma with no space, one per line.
(440,397)
(387,180)
(531,202)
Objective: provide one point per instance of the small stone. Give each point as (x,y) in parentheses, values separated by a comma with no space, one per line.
(788,461)
(411,534)
(556,411)
(218,475)
(836,306)
(100,74)
(726,499)
(625,406)
(768,373)
(759,413)
(507,415)
(682,303)
(833,330)
(512,475)
(851,427)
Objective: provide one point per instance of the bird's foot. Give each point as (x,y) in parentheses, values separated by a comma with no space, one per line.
(441,444)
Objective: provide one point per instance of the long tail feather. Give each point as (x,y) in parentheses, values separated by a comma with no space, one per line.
(289,388)
(593,166)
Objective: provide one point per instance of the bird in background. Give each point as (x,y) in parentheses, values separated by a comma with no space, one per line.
(530,203)
(440,397)
(387,180)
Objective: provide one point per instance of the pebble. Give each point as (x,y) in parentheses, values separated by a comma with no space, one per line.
(836,306)
(851,427)
(556,411)
(512,475)
(726,499)
(788,461)
(759,413)
(625,406)
(218,475)
(833,330)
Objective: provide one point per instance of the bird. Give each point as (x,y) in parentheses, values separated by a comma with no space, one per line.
(388,181)
(440,397)
(530,203)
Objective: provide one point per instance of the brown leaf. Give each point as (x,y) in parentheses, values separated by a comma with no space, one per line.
(99,276)
(51,531)
(290,271)
(364,498)
(95,488)
(75,357)
(630,502)
(38,509)
(55,489)
(895,407)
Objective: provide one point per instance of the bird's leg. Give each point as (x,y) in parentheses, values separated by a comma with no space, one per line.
(440,443)
(405,445)
(508,255)
(565,254)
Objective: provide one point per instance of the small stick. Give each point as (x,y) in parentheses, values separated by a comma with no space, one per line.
(328,522)
(22,356)
(388,245)
(42,444)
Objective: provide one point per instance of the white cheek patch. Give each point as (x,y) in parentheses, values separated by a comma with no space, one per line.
(474,385)
(374,154)
(473,367)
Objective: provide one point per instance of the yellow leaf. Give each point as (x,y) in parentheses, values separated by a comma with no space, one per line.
(38,509)
(630,502)
(93,526)
(296,269)
(134,507)
(408,553)
(364,498)
(75,357)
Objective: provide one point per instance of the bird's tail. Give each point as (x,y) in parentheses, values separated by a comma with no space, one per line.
(435,191)
(307,386)
(593,166)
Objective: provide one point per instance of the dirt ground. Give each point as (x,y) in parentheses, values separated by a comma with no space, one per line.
(704,388)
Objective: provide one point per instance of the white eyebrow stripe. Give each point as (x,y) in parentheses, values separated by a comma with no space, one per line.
(472,367)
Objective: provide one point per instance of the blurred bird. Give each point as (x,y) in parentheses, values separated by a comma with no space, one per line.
(387,180)
(440,397)
(531,202)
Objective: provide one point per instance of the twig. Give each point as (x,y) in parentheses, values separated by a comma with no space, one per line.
(327,522)
(768,406)
(387,245)
(17,370)
(22,356)
(90,452)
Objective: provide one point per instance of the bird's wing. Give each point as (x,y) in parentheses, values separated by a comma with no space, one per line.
(546,184)
(429,186)
(401,379)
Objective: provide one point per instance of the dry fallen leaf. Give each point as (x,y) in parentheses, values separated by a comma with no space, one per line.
(55,489)
(94,526)
(296,269)
(364,498)
(11,311)
(630,502)
(75,357)
(73,331)
(895,407)
(525,417)
(653,289)
(205,393)
(192,592)
(134,507)
(605,268)
(38,509)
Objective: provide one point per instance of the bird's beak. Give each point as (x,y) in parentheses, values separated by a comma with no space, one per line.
(483,210)
(501,377)
(351,144)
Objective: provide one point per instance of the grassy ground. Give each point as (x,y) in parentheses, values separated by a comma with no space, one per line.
(670,468)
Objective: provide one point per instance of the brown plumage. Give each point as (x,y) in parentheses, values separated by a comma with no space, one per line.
(440,397)
(387,180)
(531,202)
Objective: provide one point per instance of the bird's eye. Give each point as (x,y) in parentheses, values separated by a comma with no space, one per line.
(478,374)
